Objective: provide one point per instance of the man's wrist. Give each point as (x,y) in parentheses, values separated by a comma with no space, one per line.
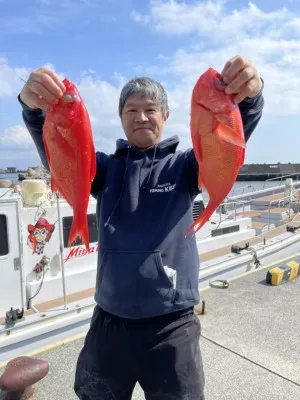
(25,106)
(250,99)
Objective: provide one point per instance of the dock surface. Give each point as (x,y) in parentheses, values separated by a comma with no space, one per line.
(250,344)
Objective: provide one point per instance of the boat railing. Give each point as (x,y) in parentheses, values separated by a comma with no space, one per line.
(237,204)
(241,191)
(250,189)
(224,205)
(253,189)
(281,177)
(278,203)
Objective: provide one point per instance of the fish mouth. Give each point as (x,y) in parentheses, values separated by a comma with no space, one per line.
(220,84)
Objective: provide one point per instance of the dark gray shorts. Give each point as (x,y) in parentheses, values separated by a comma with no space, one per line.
(161,353)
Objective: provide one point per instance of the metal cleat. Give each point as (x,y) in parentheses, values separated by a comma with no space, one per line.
(19,376)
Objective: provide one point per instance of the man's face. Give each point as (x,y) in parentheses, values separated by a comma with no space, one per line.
(142,121)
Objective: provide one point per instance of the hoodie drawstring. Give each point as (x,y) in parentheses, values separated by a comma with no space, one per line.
(124,182)
(122,191)
(151,168)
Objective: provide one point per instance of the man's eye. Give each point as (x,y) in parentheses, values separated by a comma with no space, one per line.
(151,110)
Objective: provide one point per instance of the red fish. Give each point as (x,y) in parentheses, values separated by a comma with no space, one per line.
(218,141)
(70,151)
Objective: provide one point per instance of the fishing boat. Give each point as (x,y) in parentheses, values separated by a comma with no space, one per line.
(47,288)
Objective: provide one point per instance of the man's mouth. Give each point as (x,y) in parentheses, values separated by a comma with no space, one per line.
(142,128)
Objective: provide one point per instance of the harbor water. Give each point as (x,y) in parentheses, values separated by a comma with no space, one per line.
(11,177)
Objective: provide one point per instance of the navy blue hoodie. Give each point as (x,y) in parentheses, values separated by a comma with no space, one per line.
(146,266)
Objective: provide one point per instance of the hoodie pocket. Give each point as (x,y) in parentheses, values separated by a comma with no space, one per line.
(132,277)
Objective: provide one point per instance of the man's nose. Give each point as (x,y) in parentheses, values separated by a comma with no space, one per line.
(142,116)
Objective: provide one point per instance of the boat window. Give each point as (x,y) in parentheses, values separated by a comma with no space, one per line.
(3,236)
(223,231)
(92,224)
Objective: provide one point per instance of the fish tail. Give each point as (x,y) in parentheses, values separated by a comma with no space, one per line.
(202,219)
(79,229)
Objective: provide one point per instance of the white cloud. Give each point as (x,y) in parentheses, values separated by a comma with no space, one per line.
(217,34)
(11,78)
(210,35)
(88,71)
(101,99)
(138,17)
(16,137)
(209,18)
(19,158)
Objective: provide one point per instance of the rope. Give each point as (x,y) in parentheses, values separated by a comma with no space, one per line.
(219,284)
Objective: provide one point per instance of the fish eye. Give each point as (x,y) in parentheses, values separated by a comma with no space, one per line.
(69,98)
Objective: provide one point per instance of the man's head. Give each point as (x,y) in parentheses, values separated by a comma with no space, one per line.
(143,108)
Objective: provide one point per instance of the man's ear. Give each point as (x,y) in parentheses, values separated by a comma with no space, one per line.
(167,116)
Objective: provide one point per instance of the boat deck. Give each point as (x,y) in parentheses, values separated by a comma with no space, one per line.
(250,344)
(271,197)
(57,302)
(223,251)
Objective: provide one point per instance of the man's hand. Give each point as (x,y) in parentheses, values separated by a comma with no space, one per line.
(42,89)
(241,78)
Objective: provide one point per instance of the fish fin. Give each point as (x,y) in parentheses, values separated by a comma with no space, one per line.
(243,157)
(224,132)
(54,187)
(199,148)
(79,228)
(203,218)
(201,115)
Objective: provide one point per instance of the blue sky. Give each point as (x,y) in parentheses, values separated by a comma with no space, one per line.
(99,44)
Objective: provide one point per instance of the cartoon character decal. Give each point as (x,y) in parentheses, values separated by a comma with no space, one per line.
(39,235)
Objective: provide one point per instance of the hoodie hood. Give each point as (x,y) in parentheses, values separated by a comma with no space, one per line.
(168,145)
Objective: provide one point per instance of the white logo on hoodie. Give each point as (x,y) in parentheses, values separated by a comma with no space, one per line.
(163,188)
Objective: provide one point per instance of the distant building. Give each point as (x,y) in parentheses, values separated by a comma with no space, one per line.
(261,172)
(2,171)
(12,170)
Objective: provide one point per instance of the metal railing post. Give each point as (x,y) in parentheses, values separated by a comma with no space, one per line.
(61,251)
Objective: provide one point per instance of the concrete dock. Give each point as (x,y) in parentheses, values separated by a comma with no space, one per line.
(250,345)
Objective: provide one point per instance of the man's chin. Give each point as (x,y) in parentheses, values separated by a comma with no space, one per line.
(145,144)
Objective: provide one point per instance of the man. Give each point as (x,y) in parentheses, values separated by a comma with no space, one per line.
(143,328)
